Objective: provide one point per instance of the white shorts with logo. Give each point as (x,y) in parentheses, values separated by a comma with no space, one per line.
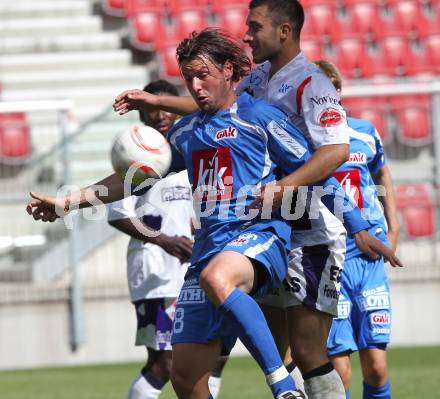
(313,277)
(155,322)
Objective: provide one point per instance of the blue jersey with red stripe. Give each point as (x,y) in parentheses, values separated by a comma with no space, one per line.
(228,155)
(366,158)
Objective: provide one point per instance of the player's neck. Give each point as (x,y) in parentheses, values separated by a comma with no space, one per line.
(230,99)
(283,58)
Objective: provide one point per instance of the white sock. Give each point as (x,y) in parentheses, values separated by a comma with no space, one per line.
(327,386)
(298,378)
(140,388)
(214,385)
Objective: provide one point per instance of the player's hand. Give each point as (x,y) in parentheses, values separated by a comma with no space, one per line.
(374,248)
(135,99)
(270,195)
(178,246)
(46,208)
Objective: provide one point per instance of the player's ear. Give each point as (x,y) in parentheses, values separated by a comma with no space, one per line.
(228,70)
(285,31)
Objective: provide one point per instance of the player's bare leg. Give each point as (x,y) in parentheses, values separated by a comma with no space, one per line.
(308,331)
(227,280)
(375,373)
(342,364)
(277,322)
(155,374)
(191,382)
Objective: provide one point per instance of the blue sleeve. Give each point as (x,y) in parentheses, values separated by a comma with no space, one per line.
(378,161)
(341,205)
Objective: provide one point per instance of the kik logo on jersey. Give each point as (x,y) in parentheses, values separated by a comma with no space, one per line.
(350,180)
(212,170)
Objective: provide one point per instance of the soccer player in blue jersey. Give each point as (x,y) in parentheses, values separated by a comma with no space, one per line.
(364,313)
(231,147)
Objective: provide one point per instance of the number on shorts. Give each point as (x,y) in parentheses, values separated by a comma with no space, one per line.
(178,321)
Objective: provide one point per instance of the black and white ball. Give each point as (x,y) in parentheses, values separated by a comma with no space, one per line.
(140,153)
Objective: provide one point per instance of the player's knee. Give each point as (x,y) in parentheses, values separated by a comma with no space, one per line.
(376,373)
(162,366)
(215,285)
(181,384)
(344,371)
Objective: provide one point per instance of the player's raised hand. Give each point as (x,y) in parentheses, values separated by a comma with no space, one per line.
(46,208)
(374,248)
(134,99)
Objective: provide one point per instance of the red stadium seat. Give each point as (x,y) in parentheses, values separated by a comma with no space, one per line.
(353,59)
(310,3)
(373,109)
(323,21)
(133,7)
(169,62)
(115,8)
(144,30)
(413,117)
(189,21)
(363,19)
(15,138)
(416,205)
(395,57)
(351,3)
(312,49)
(175,7)
(220,5)
(233,21)
(406,19)
(432,48)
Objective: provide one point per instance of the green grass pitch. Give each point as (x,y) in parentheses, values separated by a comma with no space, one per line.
(414,374)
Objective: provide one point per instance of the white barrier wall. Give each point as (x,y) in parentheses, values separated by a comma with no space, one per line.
(35,335)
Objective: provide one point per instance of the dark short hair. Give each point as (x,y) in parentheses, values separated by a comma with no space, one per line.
(218,47)
(158,86)
(161,86)
(283,11)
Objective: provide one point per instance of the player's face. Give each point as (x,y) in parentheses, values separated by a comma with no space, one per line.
(160,120)
(261,35)
(209,84)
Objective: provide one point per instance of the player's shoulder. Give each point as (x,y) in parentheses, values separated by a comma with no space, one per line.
(183,125)
(256,76)
(256,110)
(361,125)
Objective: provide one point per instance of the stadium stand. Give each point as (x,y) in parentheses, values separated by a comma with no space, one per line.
(416,205)
(15,140)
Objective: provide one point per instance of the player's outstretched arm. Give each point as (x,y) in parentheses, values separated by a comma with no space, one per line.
(48,208)
(140,100)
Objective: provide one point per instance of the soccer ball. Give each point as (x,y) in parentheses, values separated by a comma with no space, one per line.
(140,153)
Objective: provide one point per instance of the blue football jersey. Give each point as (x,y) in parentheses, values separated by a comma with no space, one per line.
(366,157)
(228,155)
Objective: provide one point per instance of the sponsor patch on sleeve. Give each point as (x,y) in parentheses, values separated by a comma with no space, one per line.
(330,117)
(286,139)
